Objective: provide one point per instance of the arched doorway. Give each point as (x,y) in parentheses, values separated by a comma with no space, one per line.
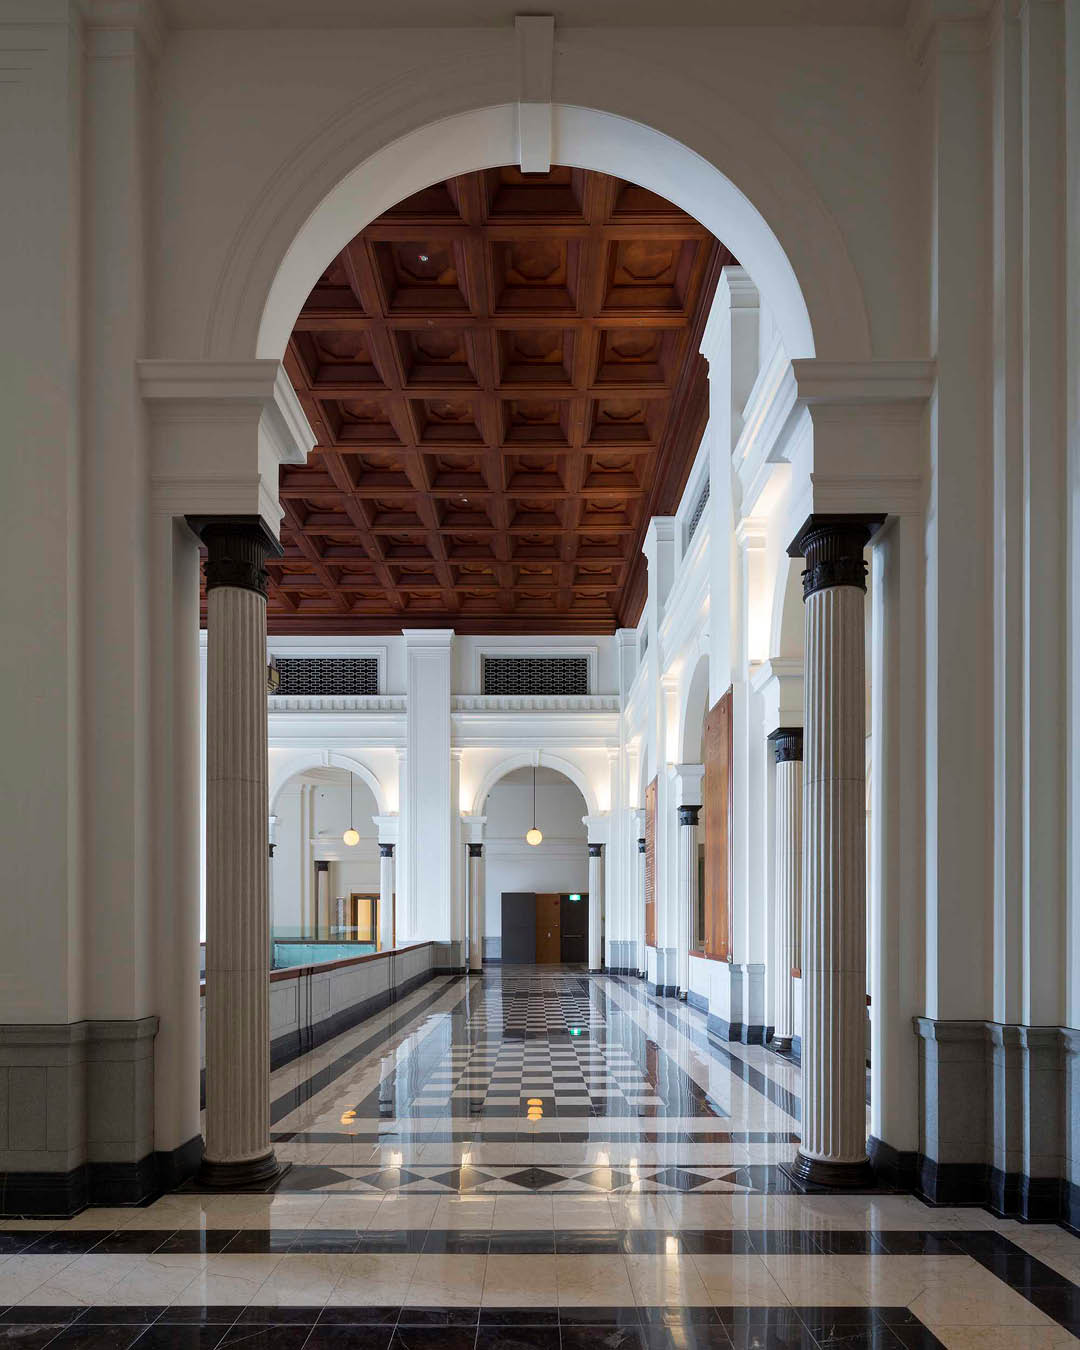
(536,896)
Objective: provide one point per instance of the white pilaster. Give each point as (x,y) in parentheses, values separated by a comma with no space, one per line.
(787,944)
(686,784)
(428,827)
(473,830)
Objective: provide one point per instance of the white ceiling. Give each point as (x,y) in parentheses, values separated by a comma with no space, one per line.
(497,13)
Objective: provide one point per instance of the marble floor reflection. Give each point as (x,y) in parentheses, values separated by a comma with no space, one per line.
(536,1159)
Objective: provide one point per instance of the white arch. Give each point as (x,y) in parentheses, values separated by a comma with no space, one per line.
(695,704)
(786,620)
(302,760)
(525,759)
(635,118)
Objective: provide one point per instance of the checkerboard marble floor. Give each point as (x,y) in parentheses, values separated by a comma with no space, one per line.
(536,1161)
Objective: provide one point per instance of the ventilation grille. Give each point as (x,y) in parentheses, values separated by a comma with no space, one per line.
(328,675)
(699,510)
(536,675)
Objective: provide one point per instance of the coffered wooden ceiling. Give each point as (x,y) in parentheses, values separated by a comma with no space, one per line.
(504,379)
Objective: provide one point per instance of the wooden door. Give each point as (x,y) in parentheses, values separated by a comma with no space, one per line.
(650,864)
(717,745)
(548,929)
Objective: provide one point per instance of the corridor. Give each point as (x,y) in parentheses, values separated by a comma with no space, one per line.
(535,1159)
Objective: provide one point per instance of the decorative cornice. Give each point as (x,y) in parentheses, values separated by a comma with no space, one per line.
(833,549)
(849,382)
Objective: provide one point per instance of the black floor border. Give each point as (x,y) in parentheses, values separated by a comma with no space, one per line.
(378,1327)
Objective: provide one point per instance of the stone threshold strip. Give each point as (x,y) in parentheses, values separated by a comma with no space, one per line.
(491,1328)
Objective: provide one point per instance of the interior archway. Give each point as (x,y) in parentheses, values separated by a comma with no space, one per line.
(536,896)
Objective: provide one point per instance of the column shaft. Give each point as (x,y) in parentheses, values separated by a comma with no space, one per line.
(787,743)
(476,908)
(641,905)
(386,896)
(687,892)
(833,1148)
(238,1150)
(596,896)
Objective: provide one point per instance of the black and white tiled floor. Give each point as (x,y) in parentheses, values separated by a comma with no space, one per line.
(536,1160)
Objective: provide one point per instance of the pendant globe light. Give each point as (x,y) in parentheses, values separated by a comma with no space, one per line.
(534,836)
(351,835)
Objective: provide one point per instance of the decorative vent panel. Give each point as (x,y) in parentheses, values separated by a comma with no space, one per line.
(328,675)
(699,510)
(536,675)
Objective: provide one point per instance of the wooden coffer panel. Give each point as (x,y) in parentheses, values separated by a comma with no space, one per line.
(717,740)
(650,864)
(502,373)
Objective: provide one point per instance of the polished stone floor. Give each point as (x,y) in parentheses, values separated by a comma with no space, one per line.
(536,1161)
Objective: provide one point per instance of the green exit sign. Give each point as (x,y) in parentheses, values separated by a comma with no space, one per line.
(575,897)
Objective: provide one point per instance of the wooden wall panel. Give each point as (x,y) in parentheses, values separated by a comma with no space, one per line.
(650,864)
(717,742)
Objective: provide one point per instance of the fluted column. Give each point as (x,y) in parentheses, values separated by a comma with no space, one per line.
(476,908)
(787,743)
(833,1148)
(238,1151)
(322,899)
(386,896)
(687,890)
(596,896)
(641,905)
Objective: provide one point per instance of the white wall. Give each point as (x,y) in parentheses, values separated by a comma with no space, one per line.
(560,863)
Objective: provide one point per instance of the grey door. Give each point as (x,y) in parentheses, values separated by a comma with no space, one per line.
(518,928)
(575,929)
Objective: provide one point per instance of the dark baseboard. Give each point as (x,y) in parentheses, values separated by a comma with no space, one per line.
(492,960)
(44,1195)
(440,970)
(663,990)
(796,1049)
(60,1195)
(176,1165)
(893,1167)
(724,1030)
(698,1001)
(953,1183)
(622,970)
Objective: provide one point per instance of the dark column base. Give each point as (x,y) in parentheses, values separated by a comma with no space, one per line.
(781,1043)
(257,1174)
(820,1174)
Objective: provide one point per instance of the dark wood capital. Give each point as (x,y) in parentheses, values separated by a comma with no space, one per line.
(833,549)
(386,850)
(476,850)
(596,850)
(688,815)
(786,743)
(641,845)
(322,865)
(237,548)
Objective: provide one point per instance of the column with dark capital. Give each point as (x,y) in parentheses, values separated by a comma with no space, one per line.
(238,1151)
(833,1148)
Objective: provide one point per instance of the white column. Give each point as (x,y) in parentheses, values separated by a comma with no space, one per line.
(476,908)
(596,901)
(238,1151)
(322,899)
(639,873)
(686,788)
(386,896)
(833,1148)
(787,745)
